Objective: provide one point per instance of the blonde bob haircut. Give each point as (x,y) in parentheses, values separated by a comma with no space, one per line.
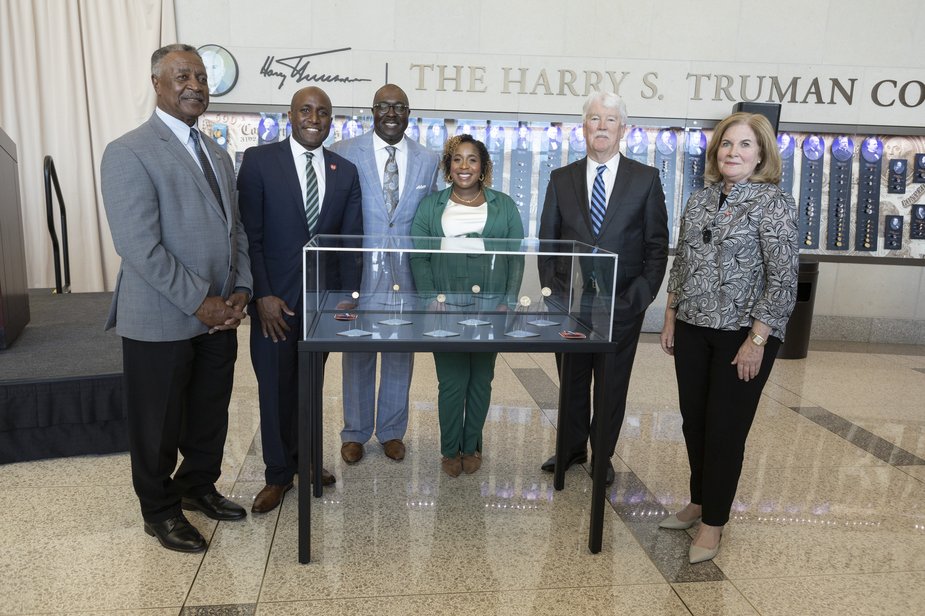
(768,170)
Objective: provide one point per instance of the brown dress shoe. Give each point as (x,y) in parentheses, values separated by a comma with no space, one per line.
(269,497)
(394,449)
(471,462)
(327,479)
(351,452)
(451,466)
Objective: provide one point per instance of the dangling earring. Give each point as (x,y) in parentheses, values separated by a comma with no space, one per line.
(482,178)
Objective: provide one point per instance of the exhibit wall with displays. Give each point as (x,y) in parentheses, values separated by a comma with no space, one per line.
(859,195)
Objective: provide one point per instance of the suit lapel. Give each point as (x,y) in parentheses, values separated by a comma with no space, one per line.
(287,165)
(179,151)
(330,180)
(620,185)
(216,154)
(367,160)
(411,170)
(579,177)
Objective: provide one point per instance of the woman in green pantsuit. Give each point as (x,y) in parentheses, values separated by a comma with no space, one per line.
(467,208)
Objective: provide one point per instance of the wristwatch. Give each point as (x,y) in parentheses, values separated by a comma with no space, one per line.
(758,340)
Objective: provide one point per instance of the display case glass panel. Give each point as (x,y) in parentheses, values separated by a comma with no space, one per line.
(478,290)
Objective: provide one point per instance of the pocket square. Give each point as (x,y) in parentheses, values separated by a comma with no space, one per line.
(420,187)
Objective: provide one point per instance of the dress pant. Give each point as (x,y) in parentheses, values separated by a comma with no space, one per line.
(176,396)
(276,365)
(718,409)
(463,395)
(610,388)
(362,411)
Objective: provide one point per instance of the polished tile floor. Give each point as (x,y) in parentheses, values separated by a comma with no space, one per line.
(829,518)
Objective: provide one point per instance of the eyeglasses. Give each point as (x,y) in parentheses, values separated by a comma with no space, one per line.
(383,108)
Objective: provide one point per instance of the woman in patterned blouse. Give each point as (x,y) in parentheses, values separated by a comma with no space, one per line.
(730,293)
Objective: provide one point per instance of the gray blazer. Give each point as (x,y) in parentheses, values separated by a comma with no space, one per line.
(177,245)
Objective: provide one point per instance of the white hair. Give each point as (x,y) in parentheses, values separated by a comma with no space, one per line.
(608,100)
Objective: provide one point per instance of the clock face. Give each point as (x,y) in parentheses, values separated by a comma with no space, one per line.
(221,69)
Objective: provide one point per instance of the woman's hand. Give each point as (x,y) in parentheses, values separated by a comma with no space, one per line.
(748,360)
(667,337)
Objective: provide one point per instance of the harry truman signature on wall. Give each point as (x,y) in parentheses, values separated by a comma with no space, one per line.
(298,69)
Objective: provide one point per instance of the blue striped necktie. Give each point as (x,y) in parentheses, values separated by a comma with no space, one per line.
(311,194)
(598,200)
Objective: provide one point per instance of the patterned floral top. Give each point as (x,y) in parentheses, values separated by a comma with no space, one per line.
(737,261)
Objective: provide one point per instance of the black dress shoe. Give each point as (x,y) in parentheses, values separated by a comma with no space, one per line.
(611,475)
(176,534)
(214,505)
(578,457)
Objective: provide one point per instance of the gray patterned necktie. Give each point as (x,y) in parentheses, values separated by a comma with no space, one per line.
(311,195)
(390,180)
(206,167)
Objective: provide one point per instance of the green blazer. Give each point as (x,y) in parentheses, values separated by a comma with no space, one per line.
(498,276)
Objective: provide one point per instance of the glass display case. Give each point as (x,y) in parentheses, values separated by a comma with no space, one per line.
(470,291)
(470,294)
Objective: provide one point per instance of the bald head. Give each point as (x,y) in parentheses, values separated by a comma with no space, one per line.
(390,124)
(310,115)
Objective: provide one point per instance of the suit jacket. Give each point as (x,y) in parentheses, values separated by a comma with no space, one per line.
(420,180)
(635,227)
(380,272)
(273,212)
(177,244)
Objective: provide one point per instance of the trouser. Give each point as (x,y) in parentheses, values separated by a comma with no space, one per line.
(463,395)
(176,398)
(718,409)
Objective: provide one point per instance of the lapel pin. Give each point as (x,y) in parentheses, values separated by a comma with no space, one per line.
(333,167)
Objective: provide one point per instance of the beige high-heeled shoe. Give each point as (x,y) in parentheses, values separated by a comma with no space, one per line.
(698,554)
(674,523)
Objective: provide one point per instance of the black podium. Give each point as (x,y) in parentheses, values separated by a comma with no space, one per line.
(14,298)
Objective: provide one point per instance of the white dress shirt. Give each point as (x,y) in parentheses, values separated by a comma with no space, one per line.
(610,176)
(298,157)
(401,159)
(182,131)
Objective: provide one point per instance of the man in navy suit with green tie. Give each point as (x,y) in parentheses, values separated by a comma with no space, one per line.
(289,192)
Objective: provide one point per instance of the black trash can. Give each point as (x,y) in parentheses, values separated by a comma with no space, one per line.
(796,343)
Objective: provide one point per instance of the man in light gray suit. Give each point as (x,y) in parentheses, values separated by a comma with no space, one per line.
(395,174)
(183,284)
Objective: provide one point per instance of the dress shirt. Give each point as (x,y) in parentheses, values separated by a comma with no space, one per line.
(298,157)
(610,176)
(401,159)
(182,131)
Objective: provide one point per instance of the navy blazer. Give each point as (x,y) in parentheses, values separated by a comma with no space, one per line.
(273,213)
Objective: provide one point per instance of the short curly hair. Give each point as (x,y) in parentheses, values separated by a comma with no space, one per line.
(449,149)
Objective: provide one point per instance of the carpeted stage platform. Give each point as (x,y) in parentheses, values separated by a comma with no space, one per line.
(61,381)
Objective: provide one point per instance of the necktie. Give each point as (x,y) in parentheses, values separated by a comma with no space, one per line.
(206,167)
(390,180)
(598,200)
(311,194)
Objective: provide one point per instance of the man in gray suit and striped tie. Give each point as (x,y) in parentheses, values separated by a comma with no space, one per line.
(183,284)
(395,174)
